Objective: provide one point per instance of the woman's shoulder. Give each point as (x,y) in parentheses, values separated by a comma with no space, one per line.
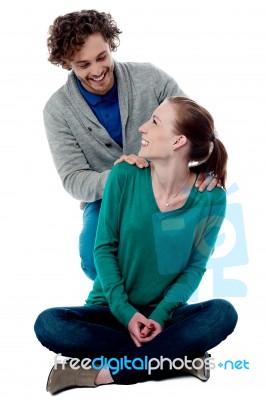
(219,195)
(124,169)
(124,174)
(217,199)
(216,196)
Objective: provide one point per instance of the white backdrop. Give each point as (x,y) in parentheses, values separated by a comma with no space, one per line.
(215,49)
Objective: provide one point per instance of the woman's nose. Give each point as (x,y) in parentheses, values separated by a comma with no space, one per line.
(143,128)
(140,129)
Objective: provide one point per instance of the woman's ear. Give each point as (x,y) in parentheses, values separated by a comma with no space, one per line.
(179,141)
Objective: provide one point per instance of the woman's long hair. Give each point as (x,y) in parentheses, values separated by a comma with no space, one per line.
(207,152)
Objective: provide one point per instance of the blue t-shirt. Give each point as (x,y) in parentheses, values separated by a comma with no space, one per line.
(106,109)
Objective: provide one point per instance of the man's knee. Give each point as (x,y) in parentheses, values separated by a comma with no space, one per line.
(87,239)
(88,269)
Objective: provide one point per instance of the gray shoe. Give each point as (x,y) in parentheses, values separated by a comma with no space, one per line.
(63,376)
(199,371)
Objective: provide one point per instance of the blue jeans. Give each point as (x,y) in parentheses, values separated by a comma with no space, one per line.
(92,332)
(87,238)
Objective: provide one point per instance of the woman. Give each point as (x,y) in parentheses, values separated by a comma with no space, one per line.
(155,235)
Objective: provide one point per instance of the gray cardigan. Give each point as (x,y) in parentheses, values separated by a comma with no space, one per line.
(81,148)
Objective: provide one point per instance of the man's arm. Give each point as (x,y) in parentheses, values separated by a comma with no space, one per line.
(78,179)
(166,86)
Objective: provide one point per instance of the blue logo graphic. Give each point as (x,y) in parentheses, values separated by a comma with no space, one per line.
(230,251)
(238,364)
(173,248)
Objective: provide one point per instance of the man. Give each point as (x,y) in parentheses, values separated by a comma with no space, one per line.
(93,120)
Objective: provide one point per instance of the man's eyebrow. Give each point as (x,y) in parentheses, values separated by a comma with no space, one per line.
(86,61)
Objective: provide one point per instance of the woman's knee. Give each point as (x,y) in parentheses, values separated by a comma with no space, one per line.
(227,314)
(45,324)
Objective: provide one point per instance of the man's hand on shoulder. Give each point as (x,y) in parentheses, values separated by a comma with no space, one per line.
(207,181)
(133,159)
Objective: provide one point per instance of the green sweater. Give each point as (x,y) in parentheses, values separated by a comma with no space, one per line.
(145,257)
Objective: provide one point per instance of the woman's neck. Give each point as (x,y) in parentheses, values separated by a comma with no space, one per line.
(171,184)
(169,179)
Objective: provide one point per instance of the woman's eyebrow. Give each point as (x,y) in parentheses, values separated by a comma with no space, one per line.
(155,116)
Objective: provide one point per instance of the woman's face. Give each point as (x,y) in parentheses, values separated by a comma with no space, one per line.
(157,134)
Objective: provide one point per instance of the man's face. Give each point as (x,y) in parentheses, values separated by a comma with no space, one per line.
(94,66)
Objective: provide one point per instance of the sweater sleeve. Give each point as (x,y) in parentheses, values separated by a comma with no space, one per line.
(106,247)
(77,177)
(187,281)
(165,85)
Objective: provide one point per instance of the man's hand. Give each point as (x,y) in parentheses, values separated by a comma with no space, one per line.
(133,159)
(142,330)
(209,181)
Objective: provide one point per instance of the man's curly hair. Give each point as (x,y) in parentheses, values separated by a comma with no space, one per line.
(69,32)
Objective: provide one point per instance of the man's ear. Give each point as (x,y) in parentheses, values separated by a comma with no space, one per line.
(68,65)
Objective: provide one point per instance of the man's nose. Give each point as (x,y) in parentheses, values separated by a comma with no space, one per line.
(96,70)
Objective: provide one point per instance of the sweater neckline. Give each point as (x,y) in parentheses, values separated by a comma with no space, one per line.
(185,206)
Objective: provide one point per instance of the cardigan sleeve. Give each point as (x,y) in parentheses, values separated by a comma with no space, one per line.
(106,247)
(76,174)
(204,241)
(165,85)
